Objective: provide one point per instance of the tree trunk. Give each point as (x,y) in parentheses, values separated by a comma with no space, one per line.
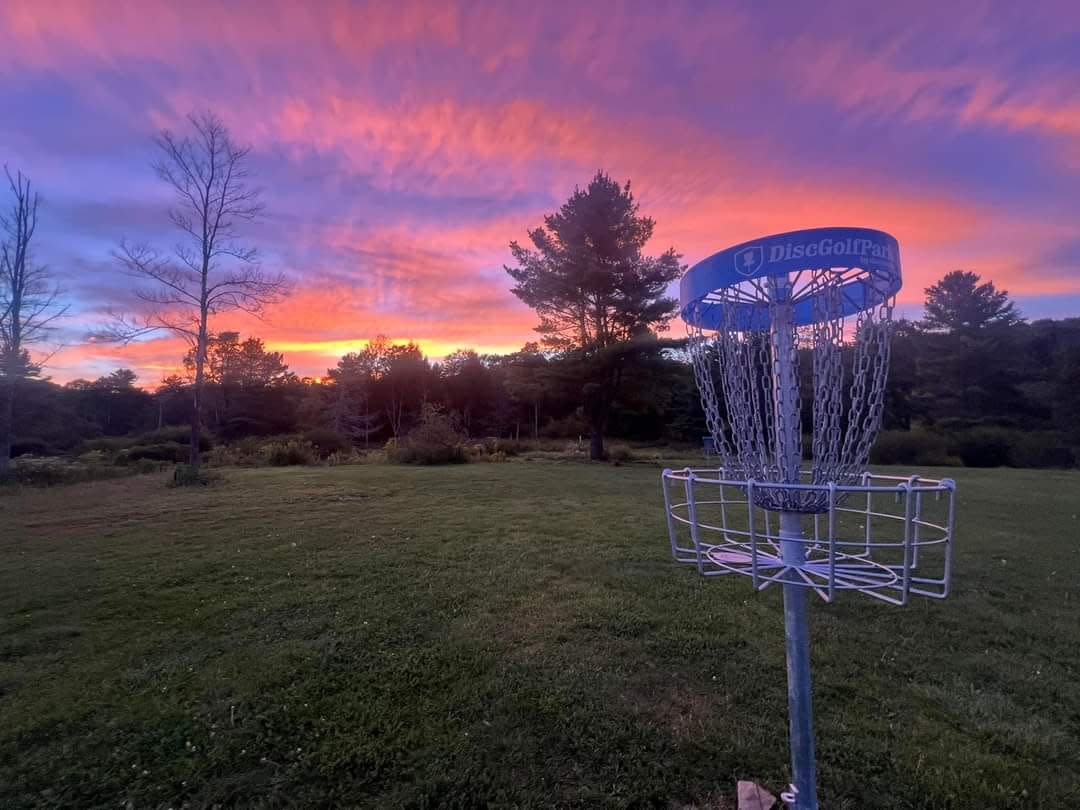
(7,421)
(194,456)
(596,443)
(597,398)
(396,412)
(597,412)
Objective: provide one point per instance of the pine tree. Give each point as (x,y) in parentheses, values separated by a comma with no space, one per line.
(960,304)
(594,289)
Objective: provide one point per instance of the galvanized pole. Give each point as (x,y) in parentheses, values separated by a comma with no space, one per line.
(792,548)
(797,640)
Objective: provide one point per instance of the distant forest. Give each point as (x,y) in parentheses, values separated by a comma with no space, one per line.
(987,391)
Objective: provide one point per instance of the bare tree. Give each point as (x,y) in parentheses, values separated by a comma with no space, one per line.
(350,412)
(209,271)
(29,301)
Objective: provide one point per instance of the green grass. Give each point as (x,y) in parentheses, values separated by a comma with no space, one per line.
(506,635)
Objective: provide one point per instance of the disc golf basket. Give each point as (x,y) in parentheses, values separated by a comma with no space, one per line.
(805,315)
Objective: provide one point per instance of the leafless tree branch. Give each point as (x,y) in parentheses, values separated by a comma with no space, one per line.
(30,301)
(210,270)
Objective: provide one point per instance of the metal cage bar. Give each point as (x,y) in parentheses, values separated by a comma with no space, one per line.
(886,559)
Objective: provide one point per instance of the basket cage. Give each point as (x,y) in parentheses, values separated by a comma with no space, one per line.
(887,536)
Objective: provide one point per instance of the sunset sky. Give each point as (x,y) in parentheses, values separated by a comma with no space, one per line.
(403,145)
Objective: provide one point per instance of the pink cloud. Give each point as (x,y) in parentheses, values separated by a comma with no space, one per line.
(516,105)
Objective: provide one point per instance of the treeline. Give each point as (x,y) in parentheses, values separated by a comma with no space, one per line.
(996,393)
(367,398)
(1001,395)
(970,383)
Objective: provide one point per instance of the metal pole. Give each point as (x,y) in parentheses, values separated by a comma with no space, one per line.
(797,639)
(792,549)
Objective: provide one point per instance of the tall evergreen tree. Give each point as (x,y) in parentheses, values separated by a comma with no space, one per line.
(594,289)
(961,303)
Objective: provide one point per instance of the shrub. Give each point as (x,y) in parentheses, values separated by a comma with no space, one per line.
(107,444)
(1043,449)
(327,442)
(94,457)
(619,453)
(983,447)
(48,472)
(238,427)
(181,434)
(436,440)
(173,435)
(289,453)
(184,475)
(507,447)
(569,427)
(166,451)
(31,447)
(339,457)
(147,465)
(910,447)
(245,453)
(515,447)
(415,453)
(485,446)
(977,445)
(955,424)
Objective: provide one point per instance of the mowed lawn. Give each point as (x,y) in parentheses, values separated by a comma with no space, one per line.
(507,635)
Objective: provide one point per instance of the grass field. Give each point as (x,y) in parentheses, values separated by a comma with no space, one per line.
(506,635)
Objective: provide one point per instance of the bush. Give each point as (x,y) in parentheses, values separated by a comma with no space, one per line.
(980,446)
(950,425)
(569,427)
(430,454)
(983,447)
(619,453)
(238,427)
(181,434)
(166,436)
(910,447)
(436,440)
(339,457)
(107,444)
(513,447)
(184,475)
(31,447)
(327,442)
(516,447)
(244,453)
(1044,449)
(94,457)
(48,472)
(507,447)
(166,451)
(1000,446)
(289,453)
(146,465)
